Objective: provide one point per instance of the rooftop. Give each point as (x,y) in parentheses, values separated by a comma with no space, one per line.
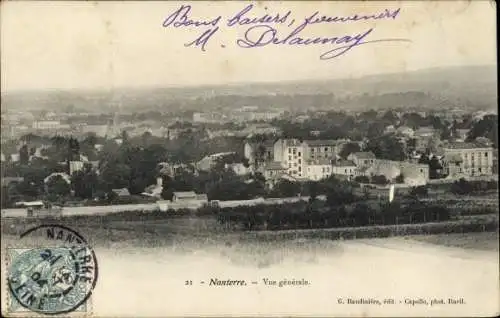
(320,162)
(364,155)
(344,163)
(328,142)
(121,192)
(465,145)
(184,194)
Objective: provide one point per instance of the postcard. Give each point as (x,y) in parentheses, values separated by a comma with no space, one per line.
(249,159)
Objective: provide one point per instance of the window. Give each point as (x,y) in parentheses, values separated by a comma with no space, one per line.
(479,170)
(298,154)
(289,165)
(421,170)
(295,164)
(289,150)
(300,169)
(289,157)
(326,148)
(486,154)
(300,161)
(345,170)
(312,149)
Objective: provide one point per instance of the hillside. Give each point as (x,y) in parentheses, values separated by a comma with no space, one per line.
(473,87)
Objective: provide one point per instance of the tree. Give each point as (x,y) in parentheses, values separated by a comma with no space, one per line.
(486,127)
(58,186)
(387,147)
(362,179)
(285,188)
(461,187)
(24,156)
(340,194)
(400,179)
(349,148)
(380,179)
(86,183)
(435,168)
(419,191)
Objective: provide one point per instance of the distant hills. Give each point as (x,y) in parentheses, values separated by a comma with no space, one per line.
(472,87)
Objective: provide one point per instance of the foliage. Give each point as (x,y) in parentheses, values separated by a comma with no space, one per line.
(464,187)
(58,186)
(387,147)
(362,179)
(400,178)
(380,179)
(419,191)
(485,127)
(349,148)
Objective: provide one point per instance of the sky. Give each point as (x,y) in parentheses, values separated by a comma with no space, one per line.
(103,45)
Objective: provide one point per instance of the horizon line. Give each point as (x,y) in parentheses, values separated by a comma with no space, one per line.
(236,83)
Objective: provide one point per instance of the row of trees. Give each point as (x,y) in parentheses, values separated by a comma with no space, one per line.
(309,216)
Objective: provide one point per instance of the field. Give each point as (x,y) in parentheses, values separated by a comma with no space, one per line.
(152,280)
(487,241)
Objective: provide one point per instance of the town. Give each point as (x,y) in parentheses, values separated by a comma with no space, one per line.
(241,156)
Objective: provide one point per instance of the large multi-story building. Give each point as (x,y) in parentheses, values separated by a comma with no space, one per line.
(318,169)
(295,154)
(467,159)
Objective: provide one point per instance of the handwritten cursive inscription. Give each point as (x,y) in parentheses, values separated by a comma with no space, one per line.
(240,18)
(180,18)
(261,29)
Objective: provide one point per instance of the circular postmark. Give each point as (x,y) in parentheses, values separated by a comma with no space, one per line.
(53,279)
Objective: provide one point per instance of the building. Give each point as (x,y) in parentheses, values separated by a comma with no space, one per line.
(413,173)
(467,159)
(345,168)
(362,159)
(205,117)
(461,134)
(294,154)
(405,131)
(154,190)
(239,168)
(46,124)
(321,149)
(75,166)
(209,161)
(188,196)
(259,151)
(318,169)
(123,192)
(273,170)
(426,138)
(290,152)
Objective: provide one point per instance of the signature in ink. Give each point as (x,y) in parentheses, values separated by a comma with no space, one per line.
(263,35)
